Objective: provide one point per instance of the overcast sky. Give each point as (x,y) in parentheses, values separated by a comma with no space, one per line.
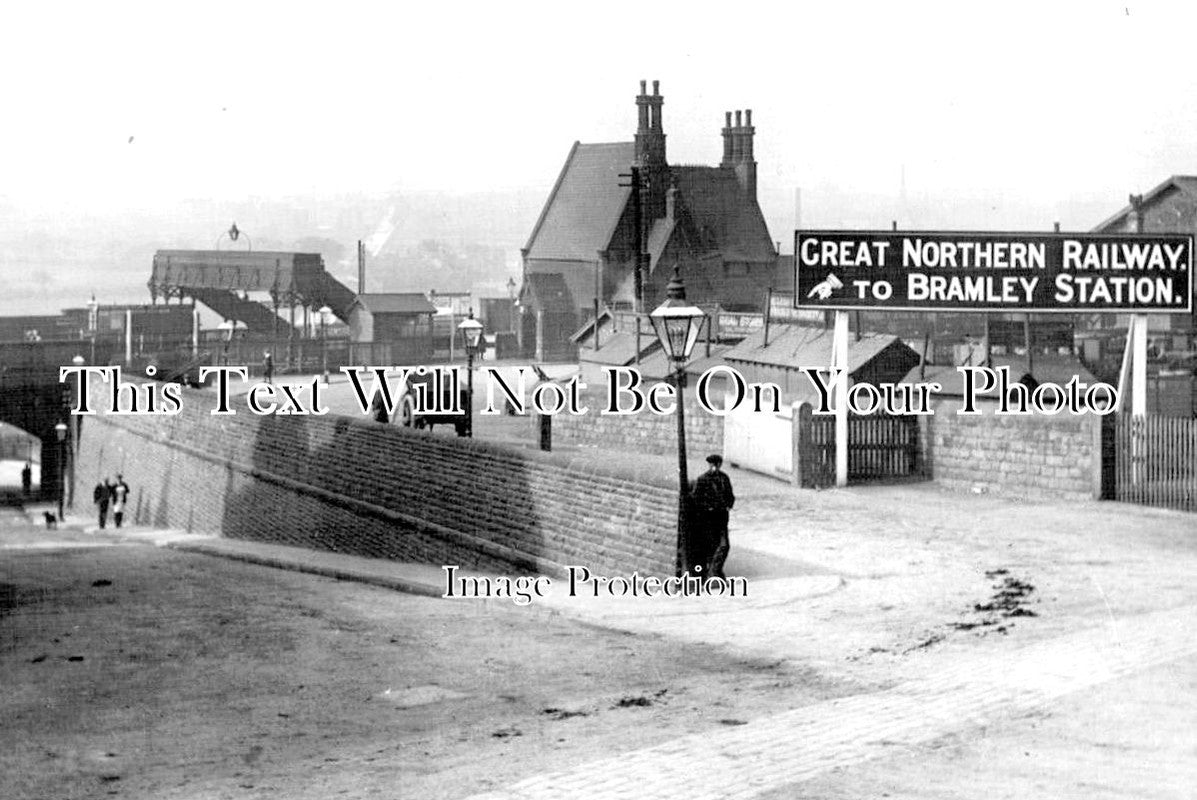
(114,103)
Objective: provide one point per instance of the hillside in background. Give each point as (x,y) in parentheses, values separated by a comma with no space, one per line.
(51,259)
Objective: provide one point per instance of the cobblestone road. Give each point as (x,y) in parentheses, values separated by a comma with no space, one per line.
(787,748)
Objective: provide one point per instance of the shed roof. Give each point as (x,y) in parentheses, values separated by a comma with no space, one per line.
(618,348)
(395,303)
(797,346)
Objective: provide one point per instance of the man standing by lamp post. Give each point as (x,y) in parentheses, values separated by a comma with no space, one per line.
(471,333)
(677,324)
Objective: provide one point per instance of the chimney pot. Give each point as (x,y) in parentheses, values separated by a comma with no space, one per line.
(748,117)
(643,84)
(727,123)
(656,86)
(738,119)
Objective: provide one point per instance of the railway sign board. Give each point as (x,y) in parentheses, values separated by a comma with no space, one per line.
(984,271)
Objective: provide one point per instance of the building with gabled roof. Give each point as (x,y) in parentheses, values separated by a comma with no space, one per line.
(705,220)
(779,354)
(1170,207)
(400,324)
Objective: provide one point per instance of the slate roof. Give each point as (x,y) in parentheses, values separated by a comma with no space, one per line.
(722,216)
(397,303)
(582,211)
(658,366)
(585,205)
(1187,184)
(619,348)
(797,346)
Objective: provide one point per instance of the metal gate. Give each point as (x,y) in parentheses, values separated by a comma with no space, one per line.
(1155,461)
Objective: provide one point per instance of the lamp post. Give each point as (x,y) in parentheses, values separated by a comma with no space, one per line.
(677,324)
(471,333)
(60,430)
(78,435)
(93,324)
(324,313)
(228,326)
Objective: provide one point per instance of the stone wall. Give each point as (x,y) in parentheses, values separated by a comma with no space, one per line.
(644,432)
(350,485)
(1032,456)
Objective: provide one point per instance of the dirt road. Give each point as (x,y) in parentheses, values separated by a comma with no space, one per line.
(139,672)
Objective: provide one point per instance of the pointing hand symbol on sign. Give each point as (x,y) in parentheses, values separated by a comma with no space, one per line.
(825,287)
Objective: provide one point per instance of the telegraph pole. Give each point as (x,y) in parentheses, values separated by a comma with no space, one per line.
(638,224)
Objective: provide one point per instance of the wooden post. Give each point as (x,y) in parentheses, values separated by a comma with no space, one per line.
(801,440)
(768,306)
(839,358)
(128,337)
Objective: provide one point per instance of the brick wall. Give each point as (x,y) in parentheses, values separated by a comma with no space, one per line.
(644,432)
(349,485)
(1033,456)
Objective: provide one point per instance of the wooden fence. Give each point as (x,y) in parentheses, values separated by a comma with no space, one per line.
(1155,461)
(880,446)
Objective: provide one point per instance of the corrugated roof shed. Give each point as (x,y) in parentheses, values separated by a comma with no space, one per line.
(618,349)
(795,346)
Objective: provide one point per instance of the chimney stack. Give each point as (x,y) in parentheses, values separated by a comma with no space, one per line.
(1135,218)
(727,141)
(650,135)
(650,150)
(737,149)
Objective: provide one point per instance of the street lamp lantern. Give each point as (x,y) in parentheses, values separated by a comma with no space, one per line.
(676,321)
(471,334)
(677,324)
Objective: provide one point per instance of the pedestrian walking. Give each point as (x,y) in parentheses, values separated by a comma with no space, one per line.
(120,496)
(713,499)
(102,497)
(27,479)
(268,365)
(379,409)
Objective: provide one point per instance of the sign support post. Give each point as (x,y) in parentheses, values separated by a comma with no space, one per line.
(1139,365)
(1134,373)
(839,360)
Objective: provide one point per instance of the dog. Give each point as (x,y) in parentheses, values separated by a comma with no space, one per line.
(51,521)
